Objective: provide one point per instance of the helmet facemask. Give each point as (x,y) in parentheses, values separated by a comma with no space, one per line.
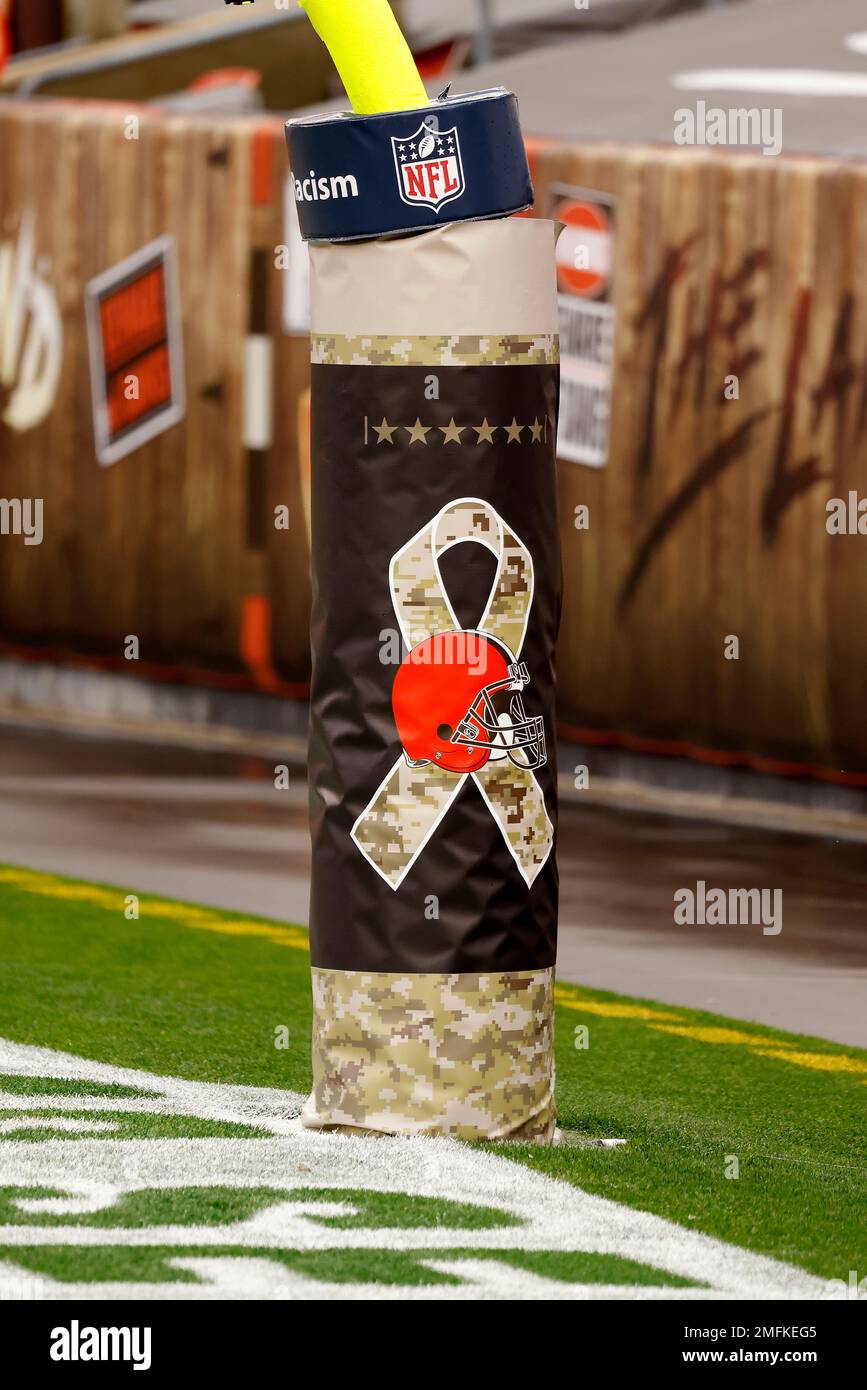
(498,722)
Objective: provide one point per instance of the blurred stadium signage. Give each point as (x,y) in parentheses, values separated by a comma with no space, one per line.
(296,271)
(585,256)
(136,352)
(31,334)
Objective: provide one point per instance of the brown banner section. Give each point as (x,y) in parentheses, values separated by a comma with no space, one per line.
(434,531)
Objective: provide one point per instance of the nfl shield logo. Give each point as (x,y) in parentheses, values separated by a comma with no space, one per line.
(429,166)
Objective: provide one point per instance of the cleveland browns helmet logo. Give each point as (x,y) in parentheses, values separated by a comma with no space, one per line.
(457,701)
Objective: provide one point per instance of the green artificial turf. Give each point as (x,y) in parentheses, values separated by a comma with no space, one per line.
(206,1004)
(223,1206)
(155,1264)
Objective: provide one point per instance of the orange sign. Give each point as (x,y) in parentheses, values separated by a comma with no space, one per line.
(135,350)
(584,248)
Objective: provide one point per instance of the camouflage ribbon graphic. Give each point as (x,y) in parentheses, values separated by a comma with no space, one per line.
(410,803)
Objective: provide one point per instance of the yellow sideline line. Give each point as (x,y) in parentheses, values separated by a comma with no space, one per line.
(185,915)
(723,1035)
(818,1061)
(610,1010)
(780,1049)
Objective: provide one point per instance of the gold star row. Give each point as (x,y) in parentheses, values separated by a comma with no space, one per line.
(452,433)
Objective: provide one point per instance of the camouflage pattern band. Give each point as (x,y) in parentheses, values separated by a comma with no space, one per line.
(464,1055)
(433,916)
(434,350)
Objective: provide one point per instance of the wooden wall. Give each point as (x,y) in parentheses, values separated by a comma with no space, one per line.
(709,519)
(163,544)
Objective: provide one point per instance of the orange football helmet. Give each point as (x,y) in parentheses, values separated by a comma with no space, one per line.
(457,703)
